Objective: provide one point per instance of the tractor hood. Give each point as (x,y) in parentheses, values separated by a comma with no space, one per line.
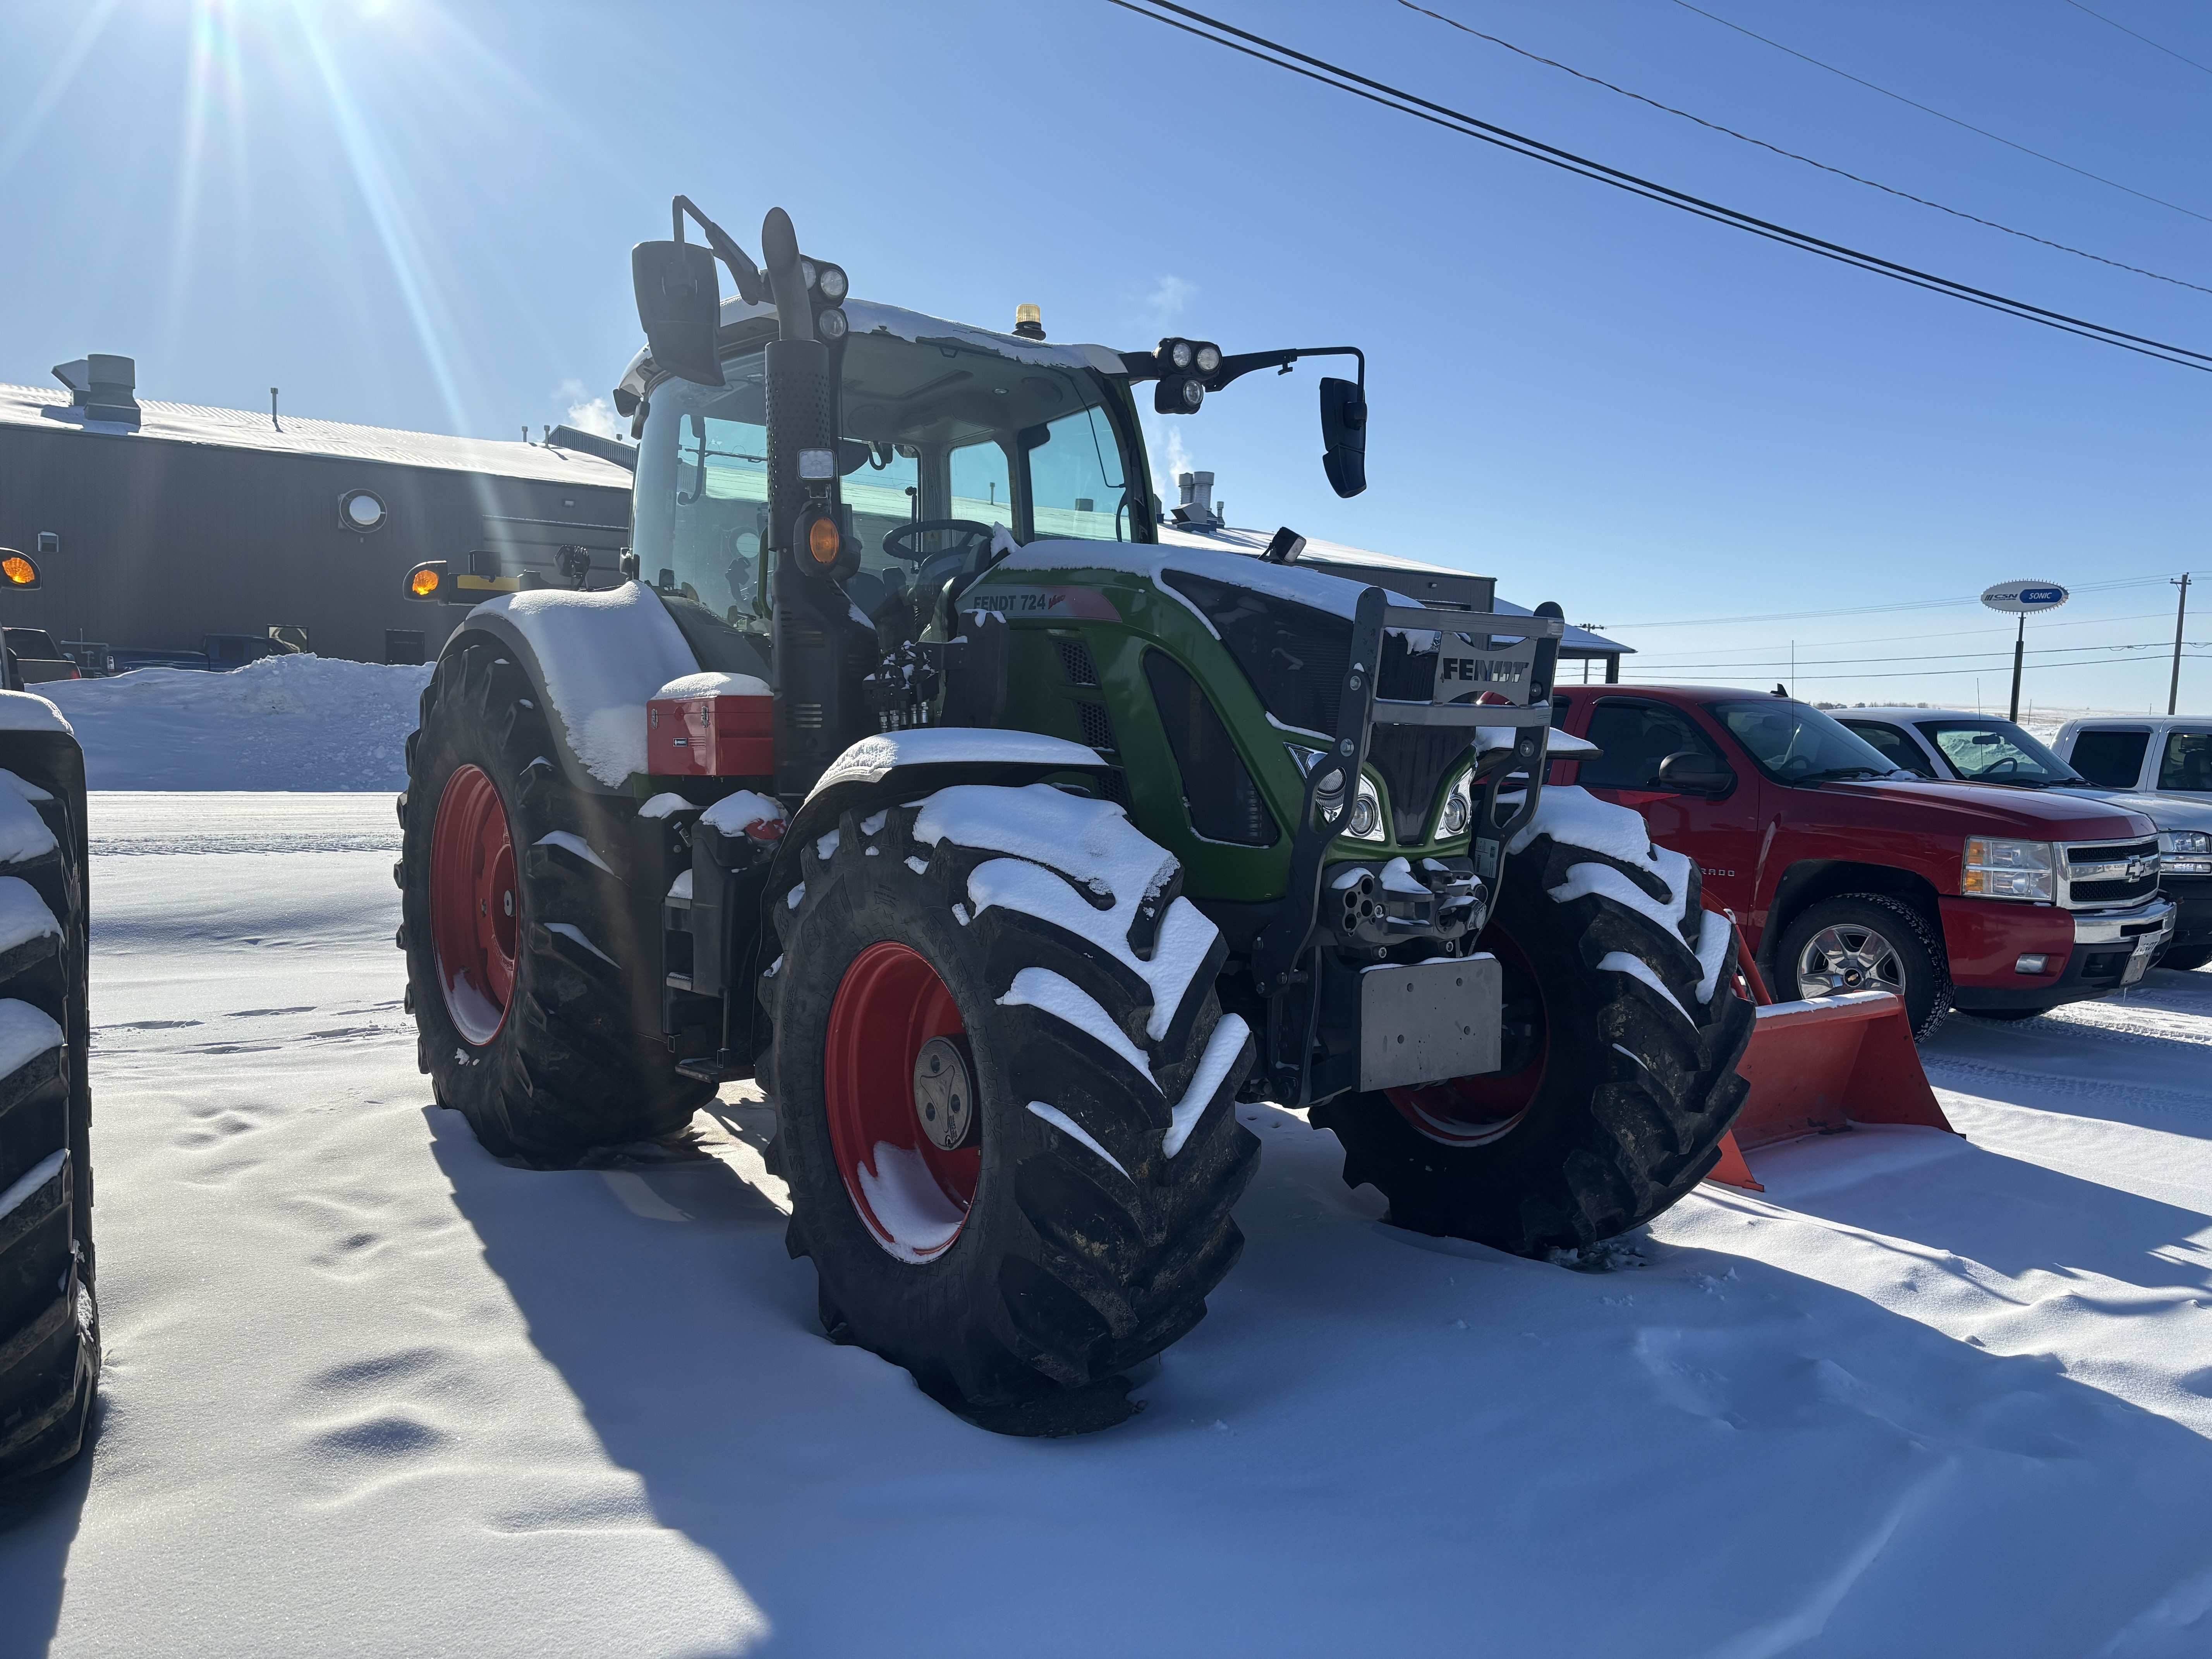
(1970,808)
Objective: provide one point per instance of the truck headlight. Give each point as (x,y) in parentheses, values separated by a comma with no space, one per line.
(1995,868)
(2185,853)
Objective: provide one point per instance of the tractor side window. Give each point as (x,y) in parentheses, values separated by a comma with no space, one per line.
(1635,737)
(1076,487)
(2187,763)
(702,496)
(1895,745)
(2111,758)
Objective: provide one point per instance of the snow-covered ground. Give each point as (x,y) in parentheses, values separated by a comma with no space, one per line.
(371,1392)
(282,723)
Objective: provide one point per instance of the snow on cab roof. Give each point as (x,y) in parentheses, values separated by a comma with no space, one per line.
(298,434)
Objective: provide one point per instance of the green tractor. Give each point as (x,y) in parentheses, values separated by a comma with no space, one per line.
(1009,847)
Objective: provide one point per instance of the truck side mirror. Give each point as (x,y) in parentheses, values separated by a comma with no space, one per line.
(1344,436)
(1695,774)
(679,304)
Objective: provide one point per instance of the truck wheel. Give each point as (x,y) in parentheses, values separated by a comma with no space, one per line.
(1006,1099)
(1866,942)
(49,1319)
(1621,1038)
(530,915)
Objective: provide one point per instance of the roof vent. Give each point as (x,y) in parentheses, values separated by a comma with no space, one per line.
(102,385)
(1197,509)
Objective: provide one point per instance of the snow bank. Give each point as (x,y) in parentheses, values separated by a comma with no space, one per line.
(289,723)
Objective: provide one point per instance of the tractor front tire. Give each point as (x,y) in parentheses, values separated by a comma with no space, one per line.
(531,910)
(1621,1039)
(49,1318)
(1079,1228)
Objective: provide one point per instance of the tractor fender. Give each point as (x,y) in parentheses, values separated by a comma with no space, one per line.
(903,766)
(596,657)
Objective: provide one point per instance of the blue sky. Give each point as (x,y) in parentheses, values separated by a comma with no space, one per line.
(420,214)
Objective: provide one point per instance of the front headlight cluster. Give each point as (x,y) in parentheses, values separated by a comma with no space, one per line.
(1459,807)
(1996,868)
(2185,853)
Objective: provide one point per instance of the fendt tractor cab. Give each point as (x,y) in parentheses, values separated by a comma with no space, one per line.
(902,767)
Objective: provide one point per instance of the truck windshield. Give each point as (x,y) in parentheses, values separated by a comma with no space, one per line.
(1998,751)
(930,430)
(1796,743)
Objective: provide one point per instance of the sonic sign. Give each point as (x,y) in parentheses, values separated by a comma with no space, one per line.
(2022,599)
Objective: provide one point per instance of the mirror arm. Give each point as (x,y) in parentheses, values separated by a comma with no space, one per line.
(1246,362)
(742,272)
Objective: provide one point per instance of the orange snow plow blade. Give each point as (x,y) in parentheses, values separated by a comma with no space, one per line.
(1816,1067)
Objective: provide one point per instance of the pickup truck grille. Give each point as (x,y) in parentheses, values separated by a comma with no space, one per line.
(2110,872)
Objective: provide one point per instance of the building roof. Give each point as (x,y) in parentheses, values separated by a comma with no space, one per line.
(1256,541)
(295,434)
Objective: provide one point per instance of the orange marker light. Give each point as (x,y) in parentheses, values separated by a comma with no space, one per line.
(20,571)
(424,583)
(823,544)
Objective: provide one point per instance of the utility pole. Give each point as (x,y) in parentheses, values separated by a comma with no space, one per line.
(2181,611)
(2019,649)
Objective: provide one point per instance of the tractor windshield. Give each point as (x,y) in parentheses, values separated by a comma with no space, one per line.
(931,430)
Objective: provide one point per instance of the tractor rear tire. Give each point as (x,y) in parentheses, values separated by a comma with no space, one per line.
(531,927)
(1615,1092)
(1017,1278)
(49,1316)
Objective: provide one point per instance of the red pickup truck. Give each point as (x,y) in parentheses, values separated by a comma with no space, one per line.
(1846,874)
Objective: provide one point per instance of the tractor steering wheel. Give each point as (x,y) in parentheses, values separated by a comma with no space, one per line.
(973,540)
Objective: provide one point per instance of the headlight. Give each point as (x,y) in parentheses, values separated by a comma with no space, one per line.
(1179,353)
(2185,853)
(1366,815)
(1208,359)
(1994,868)
(829,282)
(1459,807)
(832,324)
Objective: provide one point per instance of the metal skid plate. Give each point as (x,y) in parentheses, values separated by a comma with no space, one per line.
(1429,1021)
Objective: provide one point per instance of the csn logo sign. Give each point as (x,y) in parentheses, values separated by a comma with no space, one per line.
(2023,599)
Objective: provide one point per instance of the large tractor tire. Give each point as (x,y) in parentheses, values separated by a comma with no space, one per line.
(1621,1037)
(531,927)
(49,1318)
(1006,1099)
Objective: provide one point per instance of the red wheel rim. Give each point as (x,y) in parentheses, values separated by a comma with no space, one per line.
(914,1196)
(474,905)
(1472,1111)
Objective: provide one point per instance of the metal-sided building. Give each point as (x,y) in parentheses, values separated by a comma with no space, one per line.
(154,524)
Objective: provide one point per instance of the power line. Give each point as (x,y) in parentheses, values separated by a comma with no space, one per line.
(2114,183)
(1932,673)
(1467,126)
(1948,633)
(1761,143)
(2145,39)
(1869,609)
(2000,657)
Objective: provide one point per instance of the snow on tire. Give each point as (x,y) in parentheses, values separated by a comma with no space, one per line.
(532,924)
(1621,1039)
(1028,946)
(49,1319)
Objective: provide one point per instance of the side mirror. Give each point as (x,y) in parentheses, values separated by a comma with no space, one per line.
(1695,774)
(1344,436)
(679,304)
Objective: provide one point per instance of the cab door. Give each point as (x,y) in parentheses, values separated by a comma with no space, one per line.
(1719,829)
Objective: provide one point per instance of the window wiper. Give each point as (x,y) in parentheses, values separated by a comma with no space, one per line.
(1844,773)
